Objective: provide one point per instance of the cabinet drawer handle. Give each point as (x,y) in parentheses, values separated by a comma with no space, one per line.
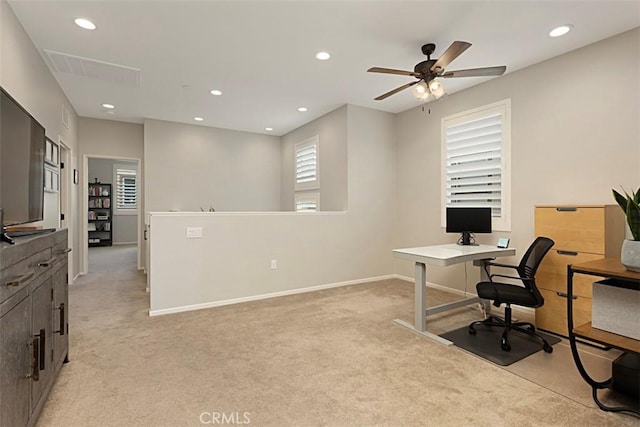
(568,253)
(565,295)
(35,372)
(61,330)
(64,251)
(48,262)
(567,209)
(19,280)
(43,349)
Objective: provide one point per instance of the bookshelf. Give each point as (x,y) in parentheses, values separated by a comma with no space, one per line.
(100,217)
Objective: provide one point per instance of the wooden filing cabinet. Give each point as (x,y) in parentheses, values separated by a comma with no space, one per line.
(581,233)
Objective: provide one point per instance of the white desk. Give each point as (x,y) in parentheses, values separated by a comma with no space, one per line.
(444,255)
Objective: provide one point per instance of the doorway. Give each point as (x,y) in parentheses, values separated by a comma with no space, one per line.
(111,196)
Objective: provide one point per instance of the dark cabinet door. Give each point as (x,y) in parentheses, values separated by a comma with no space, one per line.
(41,306)
(16,354)
(60,314)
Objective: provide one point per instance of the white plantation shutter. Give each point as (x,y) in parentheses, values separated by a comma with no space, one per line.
(476,148)
(307,202)
(474,164)
(307,164)
(126,189)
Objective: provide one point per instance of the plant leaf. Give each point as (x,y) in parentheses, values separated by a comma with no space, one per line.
(621,200)
(633,217)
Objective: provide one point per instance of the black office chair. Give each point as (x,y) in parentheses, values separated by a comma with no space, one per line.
(505,293)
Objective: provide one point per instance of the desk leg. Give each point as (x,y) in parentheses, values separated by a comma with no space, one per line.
(484,277)
(420,307)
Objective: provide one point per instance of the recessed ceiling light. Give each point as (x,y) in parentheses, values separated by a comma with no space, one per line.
(85,23)
(561,30)
(323,56)
(268,129)
(198,119)
(109,106)
(302,109)
(216,92)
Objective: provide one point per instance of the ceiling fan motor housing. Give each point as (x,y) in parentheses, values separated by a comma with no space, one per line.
(424,68)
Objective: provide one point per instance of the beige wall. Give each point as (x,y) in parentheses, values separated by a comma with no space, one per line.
(26,77)
(331,130)
(575,136)
(232,259)
(113,140)
(189,167)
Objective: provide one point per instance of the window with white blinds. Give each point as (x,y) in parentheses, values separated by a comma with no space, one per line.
(307,164)
(307,202)
(476,147)
(126,189)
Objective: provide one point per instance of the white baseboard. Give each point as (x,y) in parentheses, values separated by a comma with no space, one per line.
(265,296)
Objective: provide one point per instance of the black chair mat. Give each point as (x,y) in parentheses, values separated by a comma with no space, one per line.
(486,343)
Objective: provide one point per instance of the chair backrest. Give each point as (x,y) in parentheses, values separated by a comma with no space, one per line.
(531,261)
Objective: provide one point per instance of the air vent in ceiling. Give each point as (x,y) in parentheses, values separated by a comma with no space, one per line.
(93,69)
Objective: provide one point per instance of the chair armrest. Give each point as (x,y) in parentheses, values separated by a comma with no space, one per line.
(497,264)
(525,279)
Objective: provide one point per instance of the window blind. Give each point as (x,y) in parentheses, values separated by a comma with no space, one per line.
(307,163)
(126,189)
(307,202)
(474,164)
(306,206)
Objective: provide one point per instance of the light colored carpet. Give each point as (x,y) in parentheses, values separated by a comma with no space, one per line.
(327,358)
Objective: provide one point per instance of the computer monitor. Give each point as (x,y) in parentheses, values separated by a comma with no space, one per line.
(467,221)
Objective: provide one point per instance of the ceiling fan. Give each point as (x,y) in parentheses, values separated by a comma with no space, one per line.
(427,71)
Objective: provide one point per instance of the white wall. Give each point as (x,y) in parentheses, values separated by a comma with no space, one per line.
(114,140)
(189,167)
(575,136)
(26,77)
(232,260)
(331,130)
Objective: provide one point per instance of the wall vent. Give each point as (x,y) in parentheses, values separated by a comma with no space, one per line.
(93,69)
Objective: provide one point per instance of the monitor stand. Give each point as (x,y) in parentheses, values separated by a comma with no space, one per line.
(465,239)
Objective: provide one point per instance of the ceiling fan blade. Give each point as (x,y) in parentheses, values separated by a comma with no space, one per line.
(476,72)
(449,55)
(396,90)
(392,71)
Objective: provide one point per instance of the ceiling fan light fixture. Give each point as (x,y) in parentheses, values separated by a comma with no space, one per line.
(561,30)
(436,88)
(420,90)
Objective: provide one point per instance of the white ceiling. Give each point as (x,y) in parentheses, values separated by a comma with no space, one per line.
(261,54)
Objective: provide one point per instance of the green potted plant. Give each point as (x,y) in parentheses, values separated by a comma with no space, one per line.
(630,204)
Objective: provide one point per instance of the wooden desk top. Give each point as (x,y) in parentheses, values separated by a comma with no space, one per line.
(606,267)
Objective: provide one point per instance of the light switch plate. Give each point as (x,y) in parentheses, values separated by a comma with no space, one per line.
(194,232)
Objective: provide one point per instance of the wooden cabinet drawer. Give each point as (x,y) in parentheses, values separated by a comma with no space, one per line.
(552,316)
(552,273)
(580,229)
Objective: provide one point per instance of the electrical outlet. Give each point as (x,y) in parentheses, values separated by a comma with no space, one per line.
(194,232)
(274,264)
